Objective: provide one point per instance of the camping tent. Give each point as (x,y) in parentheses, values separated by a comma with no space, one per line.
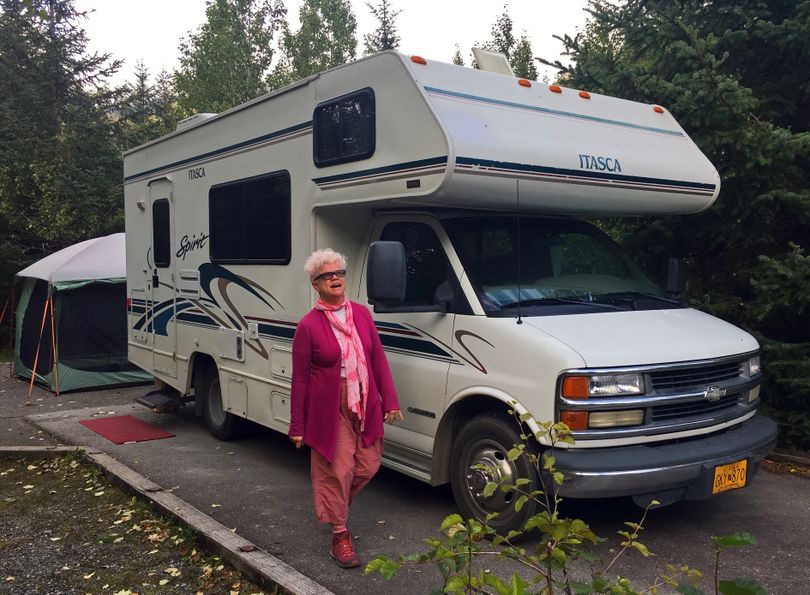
(71,318)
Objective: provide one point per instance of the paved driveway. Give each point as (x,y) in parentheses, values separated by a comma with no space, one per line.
(260,485)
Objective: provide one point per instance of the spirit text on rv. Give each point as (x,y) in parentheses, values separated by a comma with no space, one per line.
(194,243)
(599,163)
(199,172)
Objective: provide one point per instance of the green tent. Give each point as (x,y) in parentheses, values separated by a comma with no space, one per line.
(71,318)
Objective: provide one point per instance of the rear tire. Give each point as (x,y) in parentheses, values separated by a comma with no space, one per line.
(486,439)
(223,425)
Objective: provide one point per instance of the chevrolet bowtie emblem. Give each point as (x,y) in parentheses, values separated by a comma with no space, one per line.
(714,393)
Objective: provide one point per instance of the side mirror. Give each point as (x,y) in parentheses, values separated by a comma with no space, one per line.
(676,277)
(385,279)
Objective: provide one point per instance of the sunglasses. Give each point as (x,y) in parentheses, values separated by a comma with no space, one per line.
(329,275)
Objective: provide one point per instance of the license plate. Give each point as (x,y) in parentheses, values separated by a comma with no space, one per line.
(729,477)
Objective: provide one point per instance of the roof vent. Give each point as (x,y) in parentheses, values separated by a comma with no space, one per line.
(193,121)
(492,62)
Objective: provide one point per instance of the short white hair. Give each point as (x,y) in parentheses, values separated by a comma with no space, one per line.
(320,258)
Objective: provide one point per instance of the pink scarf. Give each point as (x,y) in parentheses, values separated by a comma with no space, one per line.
(353,356)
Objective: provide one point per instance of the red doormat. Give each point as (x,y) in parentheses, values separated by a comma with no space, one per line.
(124,428)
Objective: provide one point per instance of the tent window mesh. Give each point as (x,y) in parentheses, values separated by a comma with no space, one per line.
(92,328)
(29,333)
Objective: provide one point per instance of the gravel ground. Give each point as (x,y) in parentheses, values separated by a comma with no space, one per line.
(15,405)
(65,529)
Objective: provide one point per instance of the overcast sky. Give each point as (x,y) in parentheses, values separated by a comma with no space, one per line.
(151,30)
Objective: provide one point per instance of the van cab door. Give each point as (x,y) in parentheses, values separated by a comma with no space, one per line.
(418,343)
(161,286)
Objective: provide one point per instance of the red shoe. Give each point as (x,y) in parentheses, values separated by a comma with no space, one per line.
(343,550)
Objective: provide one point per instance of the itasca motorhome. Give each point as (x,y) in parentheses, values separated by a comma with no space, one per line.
(510,296)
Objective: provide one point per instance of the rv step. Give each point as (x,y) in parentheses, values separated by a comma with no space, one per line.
(162,401)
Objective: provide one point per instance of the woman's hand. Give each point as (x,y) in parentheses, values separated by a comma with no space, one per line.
(393,415)
(297,440)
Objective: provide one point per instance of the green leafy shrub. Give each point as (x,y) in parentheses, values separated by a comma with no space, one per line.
(562,544)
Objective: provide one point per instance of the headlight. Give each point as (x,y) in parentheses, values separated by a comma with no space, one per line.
(602,385)
(753,366)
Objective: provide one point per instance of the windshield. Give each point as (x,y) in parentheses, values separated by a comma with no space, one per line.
(565,267)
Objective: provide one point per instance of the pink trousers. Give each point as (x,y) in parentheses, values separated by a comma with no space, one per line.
(335,485)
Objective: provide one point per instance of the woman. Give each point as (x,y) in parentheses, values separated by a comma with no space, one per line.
(341,391)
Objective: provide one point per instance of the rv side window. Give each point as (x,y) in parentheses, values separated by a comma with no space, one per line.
(161,229)
(344,129)
(249,220)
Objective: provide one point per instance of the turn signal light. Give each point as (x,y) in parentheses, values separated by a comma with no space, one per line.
(575,387)
(575,420)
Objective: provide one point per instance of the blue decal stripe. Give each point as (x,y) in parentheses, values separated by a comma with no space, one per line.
(235,147)
(382,170)
(417,345)
(384,325)
(198,319)
(579,173)
(277,331)
(550,111)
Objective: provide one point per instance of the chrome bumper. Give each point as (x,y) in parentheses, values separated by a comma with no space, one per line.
(669,471)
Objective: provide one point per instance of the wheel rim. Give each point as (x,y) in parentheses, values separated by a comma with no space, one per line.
(215,410)
(499,469)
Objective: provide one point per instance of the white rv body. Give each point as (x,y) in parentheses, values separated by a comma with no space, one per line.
(446,143)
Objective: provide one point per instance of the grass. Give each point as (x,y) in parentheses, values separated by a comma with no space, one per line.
(65,528)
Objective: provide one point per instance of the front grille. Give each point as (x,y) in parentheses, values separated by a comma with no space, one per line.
(680,379)
(693,408)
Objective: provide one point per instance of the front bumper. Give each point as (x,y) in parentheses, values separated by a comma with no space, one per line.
(668,471)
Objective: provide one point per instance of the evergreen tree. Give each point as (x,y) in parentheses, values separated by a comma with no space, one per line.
(147,111)
(226,61)
(60,167)
(326,39)
(385,37)
(735,77)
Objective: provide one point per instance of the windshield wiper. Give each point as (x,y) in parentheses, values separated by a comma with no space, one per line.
(553,301)
(634,294)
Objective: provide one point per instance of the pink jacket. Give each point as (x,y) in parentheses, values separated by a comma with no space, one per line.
(315,403)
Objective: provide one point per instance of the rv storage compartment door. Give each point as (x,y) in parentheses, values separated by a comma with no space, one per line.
(232,344)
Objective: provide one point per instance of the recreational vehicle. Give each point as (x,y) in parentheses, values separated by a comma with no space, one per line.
(471,189)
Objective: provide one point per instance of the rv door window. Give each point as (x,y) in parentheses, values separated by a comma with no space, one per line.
(249,220)
(344,129)
(161,229)
(429,274)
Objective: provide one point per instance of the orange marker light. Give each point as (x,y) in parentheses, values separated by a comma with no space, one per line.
(555,89)
(576,387)
(524,83)
(575,420)
(419,60)
(584,95)
(658,109)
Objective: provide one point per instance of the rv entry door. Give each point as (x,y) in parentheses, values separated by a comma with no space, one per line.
(162,282)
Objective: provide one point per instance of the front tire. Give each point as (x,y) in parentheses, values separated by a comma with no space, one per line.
(486,439)
(223,425)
